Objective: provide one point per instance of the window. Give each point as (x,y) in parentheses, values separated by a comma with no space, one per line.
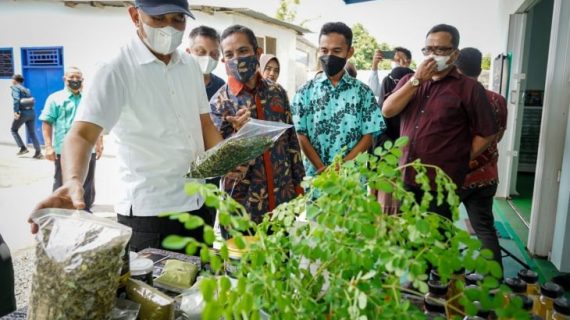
(268,44)
(6,63)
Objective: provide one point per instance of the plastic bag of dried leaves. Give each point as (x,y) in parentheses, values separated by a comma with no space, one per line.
(78,261)
(255,137)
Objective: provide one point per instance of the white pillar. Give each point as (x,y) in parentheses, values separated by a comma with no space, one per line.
(561,242)
(552,136)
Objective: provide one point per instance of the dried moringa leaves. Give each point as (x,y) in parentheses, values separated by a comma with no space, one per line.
(78,260)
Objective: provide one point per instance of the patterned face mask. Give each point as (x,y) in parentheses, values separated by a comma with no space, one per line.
(242,68)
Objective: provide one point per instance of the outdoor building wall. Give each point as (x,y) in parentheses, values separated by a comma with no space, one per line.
(89,35)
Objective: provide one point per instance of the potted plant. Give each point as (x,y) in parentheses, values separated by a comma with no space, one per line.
(349,260)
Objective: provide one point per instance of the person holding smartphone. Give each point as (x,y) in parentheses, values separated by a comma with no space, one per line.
(400,57)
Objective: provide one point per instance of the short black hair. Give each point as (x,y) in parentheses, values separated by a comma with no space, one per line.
(18,78)
(337,27)
(469,62)
(449,29)
(236,28)
(405,51)
(205,31)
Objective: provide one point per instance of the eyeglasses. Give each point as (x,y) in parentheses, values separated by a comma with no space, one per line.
(437,50)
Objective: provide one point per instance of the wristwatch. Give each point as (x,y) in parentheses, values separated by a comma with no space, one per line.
(415,82)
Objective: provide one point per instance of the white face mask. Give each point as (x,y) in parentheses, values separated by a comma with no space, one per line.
(394,64)
(162,40)
(441,62)
(207,63)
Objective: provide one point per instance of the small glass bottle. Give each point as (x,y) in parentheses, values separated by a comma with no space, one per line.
(434,300)
(517,286)
(561,309)
(531,279)
(545,305)
(125,272)
(141,269)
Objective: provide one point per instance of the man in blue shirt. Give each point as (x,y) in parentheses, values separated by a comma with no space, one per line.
(205,48)
(334,110)
(24,114)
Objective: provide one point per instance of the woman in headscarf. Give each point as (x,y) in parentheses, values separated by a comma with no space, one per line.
(270,67)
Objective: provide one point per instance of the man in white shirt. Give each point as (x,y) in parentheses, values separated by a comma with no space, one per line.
(152,96)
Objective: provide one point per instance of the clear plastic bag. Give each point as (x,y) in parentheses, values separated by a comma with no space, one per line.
(255,137)
(78,264)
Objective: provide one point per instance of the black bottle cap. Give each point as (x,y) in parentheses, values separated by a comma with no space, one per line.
(434,306)
(517,285)
(473,278)
(551,290)
(459,272)
(437,287)
(528,275)
(527,302)
(562,306)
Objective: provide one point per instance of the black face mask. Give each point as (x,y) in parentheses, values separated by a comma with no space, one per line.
(74,84)
(332,64)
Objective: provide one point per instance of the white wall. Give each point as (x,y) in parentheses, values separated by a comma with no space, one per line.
(89,35)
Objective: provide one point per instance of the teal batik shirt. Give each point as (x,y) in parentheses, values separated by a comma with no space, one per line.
(335,117)
(59,111)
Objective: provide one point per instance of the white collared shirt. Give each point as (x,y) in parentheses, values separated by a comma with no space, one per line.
(154,112)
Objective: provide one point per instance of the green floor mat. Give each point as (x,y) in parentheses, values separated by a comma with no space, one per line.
(523,201)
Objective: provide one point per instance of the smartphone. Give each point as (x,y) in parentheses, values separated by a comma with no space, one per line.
(388,54)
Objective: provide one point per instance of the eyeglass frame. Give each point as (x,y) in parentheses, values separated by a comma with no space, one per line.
(439,51)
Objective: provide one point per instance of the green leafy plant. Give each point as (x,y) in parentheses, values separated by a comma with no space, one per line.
(347,259)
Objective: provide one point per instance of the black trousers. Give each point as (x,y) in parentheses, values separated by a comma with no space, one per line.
(148,232)
(27,117)
(88,185)
(7,297)
(479,205)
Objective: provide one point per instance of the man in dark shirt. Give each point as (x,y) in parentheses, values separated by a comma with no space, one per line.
(446,115)
(205,48)
(481,182)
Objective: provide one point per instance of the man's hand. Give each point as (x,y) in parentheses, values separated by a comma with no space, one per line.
(16,115)
(68,196)
(50,153)
(426,70)
(240,118)
(376,59)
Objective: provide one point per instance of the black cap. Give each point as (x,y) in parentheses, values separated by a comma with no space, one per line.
(160,7)
(551,290)
(527,302)
(528,275)
(517,285)
(434,306)
(434,275)
(437,287)
(561,306)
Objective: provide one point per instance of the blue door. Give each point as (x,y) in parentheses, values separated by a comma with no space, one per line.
(42,69)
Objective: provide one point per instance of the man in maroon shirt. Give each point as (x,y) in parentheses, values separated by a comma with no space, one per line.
(481,182)
(445,114)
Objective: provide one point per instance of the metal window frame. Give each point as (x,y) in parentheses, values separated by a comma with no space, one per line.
(26,64)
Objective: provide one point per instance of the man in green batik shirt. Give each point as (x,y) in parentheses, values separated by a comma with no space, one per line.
(335,112)
(57,116)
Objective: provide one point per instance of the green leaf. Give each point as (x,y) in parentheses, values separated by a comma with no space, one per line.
(215,263)
(225,283)
(225,219)
(212,201)
(402,141)
(192,188)
(193,222)
(385,185)
(422,226)
(174,242)
(240,242)
(388,144)
(495,269)
(224,252)
(166,214)
(368,275)
(191,248)
(362,300)
(208,287)
(209,235)
(204,254)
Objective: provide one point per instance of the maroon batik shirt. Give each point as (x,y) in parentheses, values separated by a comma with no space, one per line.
(484,171)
